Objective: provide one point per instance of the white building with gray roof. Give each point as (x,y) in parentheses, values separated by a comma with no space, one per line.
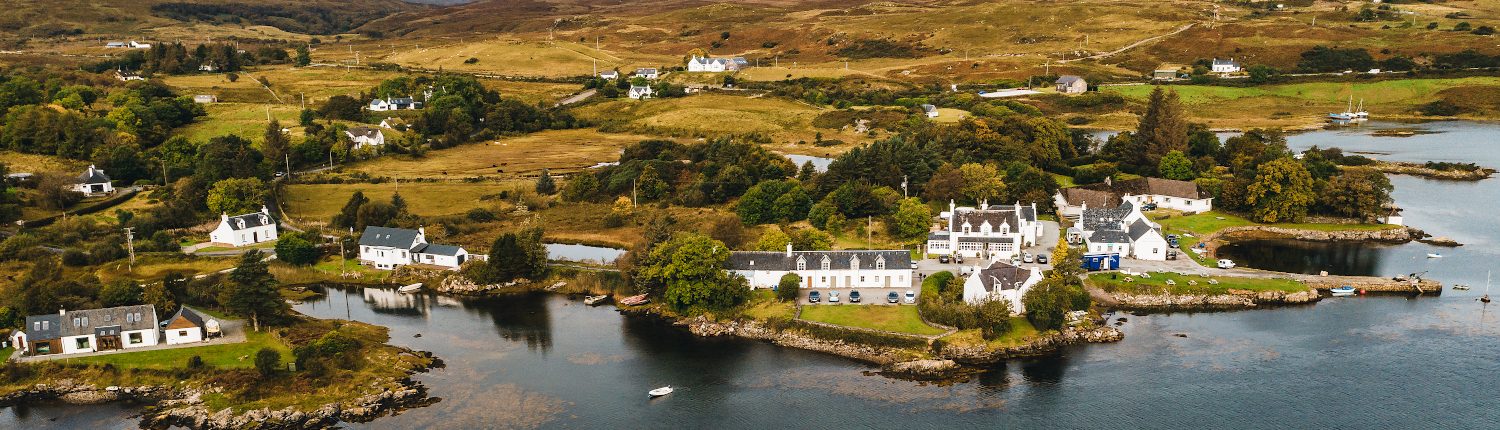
(389,248)
(246,229)
(825,269)
(988,232)
(1122,230)
(1000,281)
(93,182)
(80,331)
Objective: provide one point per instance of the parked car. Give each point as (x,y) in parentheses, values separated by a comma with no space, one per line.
(853,297)
(911,297)
(1026,257)
(1149,206)
(813,297)
(1041,259)
(833,297)
(1171,254)
(913,265)
(943,259)
(1226,264)
(958,259)
(893,298)
(1172,240)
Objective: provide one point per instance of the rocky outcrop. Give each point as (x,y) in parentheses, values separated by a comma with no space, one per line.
(1440,241)
(74,392)
(922,369)
(1370,284)
(703,326)
(1394,234)
(1415,169)
(1234,299)
(1046,344)
(463,286)
(188,411)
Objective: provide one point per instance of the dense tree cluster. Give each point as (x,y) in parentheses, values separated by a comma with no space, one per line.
(456,109)
(295,18)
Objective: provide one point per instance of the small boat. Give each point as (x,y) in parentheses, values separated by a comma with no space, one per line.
(412,288)
(660,391)
(594,300)
(1461,287)
(1434,255)
(635,300)
(1342,291)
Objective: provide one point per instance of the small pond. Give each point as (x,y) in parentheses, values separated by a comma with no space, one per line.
(583,253)
(819,163)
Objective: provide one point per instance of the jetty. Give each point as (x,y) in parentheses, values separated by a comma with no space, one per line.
(1373,284)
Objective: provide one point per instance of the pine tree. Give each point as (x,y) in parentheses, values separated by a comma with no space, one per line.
(350,213)
(251,291)
(1163,128)
(276,146)
(545,185)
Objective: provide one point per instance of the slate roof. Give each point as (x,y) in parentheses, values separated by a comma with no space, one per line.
(1069,79)
(1109,236)
(1002,276)
(937,236)
(188,314)
(93,176)
(1149,186)
(995,217)
(1105,218)
(387,237)
(106,317)
(1139,228)
(369,132)
(401,100)
(929,108)
(250,220)
(838,260)
(52,329)
(448,250)
(645,71)
(1229,62)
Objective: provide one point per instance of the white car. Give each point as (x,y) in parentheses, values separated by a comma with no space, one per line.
(911,297)
(833,297)
(1226,264)
(1026,256)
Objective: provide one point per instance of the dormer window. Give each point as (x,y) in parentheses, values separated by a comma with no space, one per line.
(967,229)
(801,263)
(880,263)
(854,263)
(826,264)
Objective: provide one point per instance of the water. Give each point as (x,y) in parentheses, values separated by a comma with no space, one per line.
(819,163)
(1361,362)
(583,253)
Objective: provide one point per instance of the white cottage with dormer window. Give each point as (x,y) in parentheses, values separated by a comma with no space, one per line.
(825,269)
(993,232)
(247,229)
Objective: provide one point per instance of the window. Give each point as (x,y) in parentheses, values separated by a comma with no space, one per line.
(801,263)
(77,322)
(826,263)
(46,325)
(138,317)
(134,338)
(880,264)
(182,333)
(861,279)
(82,342)
(85,321)
(966,229)
(108,316)
(129,318)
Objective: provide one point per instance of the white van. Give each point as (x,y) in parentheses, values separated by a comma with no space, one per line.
(1226,264)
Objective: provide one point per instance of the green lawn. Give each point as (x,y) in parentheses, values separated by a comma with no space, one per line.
(1021,332)
(763,305)
(900,319)
(222,355)
(1210,222)
(1063,181)
(1157,284)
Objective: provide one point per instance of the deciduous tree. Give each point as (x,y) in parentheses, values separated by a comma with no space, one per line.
(1282,191)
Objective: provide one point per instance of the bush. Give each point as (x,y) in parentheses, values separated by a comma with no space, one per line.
(480,215)
(788,288)
(267,361)
(75,258)
(195,362)
(1440,108)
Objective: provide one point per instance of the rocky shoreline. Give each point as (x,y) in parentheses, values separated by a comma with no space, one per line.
(1234,300)
(1415,169)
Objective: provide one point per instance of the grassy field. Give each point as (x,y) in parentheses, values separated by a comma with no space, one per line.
(515,57)
(326,270)
(247,120)
(1021,332)
(319,202)
(561,151)
(1210,222)
(1301,104)
(151,267)
(1157,284)
(900,319)
(225,356)
(763,305)
(32,163)
(707,115)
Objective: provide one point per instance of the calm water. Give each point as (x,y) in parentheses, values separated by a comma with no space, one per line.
(819,163)
(582,253)
(1365,362)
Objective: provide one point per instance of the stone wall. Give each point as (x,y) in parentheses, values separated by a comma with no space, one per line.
(1234,299)
(1046,344)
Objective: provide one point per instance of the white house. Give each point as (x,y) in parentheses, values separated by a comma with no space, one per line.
(393,103)
(93,182)
(205,98)
(824,269)
(609,74)
(992,232)
(389,248)
(1225,66)
(125,76)
(247,229)
(186,326)
(365,136)
(73,332)
(1071,84)
(1183,196)
(138,45)
(648,73)
(393,123)
(930,110)
(706,64)
(639,92)
(1122,230)
(1000,281)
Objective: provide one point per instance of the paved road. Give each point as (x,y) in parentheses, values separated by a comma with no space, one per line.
(577,97)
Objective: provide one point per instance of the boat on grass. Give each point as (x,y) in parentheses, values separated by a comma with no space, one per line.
(660,391)
(635,300)
(594,300)
(1342,291)
(410,288)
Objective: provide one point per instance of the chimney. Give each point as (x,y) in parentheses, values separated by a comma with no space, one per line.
(62,312)
(788,249)
(1109,181)
(223,216)
(984,205)
(264,210)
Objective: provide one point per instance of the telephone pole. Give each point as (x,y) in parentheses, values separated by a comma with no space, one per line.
(130,245)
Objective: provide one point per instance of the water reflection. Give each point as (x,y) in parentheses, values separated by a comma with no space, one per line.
(1337,258)
(583,253)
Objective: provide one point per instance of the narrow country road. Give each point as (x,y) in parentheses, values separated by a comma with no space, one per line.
(581,96)
(1132,46)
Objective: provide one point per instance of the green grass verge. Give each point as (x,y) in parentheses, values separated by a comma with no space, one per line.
(1213,221)
(228,356)
(1157,284)
(763,305)
(1021,332)
(898,319)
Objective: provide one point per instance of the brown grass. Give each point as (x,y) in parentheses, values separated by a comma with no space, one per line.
(562,151)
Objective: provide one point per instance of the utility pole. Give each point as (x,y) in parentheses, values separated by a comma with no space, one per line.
(130,245)
(632,192)
(903,187)
(288,165)
(869,231)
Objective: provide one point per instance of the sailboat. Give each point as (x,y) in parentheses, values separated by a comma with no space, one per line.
(1349,113)
(1359,112)
(1486,298)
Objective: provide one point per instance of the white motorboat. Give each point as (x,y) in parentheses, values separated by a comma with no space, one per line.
(594,300)
(1434,255)
(660,391)
(412,288)
(1343,291)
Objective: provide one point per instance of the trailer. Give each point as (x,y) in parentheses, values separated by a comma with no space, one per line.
(1101,261)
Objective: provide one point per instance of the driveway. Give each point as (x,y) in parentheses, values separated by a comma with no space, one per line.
(868,296)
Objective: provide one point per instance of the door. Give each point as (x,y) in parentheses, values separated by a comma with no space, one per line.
(254,237)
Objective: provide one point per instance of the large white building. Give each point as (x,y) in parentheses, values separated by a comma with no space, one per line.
(706,64)
(389,248)
(75,332)
(1120,230)
(247,229)
(988,232)
(1000,281)
(825,269)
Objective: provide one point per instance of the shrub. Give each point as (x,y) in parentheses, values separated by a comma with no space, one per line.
(1440,108)
(195,362)
(267,360)
(75,258)
(788,288)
